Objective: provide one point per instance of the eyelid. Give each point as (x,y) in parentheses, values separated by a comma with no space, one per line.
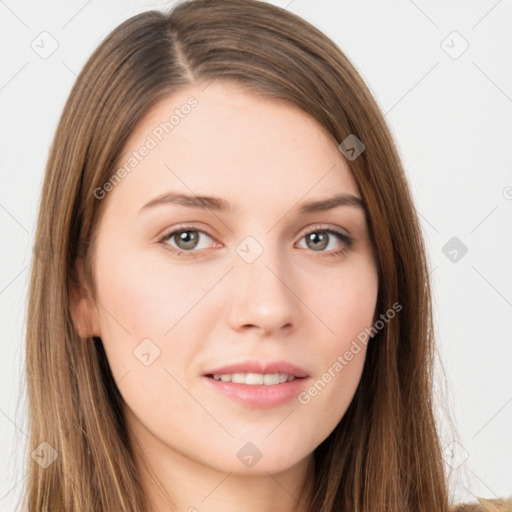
(186,227)
(183,227)
(324,227)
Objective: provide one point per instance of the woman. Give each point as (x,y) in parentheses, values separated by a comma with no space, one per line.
(234,311)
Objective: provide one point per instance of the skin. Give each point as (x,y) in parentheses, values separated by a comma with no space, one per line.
(292,303)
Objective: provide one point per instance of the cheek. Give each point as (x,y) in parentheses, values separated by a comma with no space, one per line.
(152,315)
(347,304)
(133,306)
(151,333)
(343,355)
(348,310)
(150,294)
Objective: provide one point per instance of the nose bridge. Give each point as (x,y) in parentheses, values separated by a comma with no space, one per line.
(263,295)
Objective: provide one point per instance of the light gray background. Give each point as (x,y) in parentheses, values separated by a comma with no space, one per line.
(450,115)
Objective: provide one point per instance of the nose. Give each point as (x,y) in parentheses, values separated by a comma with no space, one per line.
(263,296)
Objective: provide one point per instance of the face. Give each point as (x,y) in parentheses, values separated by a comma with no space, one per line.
(225,325)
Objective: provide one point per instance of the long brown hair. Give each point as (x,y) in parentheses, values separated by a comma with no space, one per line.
(385,453)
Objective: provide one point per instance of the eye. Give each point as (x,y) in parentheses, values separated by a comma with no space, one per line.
(319,239)
(186,239)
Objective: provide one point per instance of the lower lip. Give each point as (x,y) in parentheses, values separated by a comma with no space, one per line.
(259,396)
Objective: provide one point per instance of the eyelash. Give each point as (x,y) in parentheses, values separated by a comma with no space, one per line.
(344,238)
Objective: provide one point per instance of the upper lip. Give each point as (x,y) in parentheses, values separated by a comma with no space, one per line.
(260,367)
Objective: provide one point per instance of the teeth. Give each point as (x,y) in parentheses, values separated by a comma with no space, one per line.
(272,378)
(254,379)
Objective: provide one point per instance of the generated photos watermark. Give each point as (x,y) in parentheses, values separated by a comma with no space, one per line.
(151,142)
(343,360)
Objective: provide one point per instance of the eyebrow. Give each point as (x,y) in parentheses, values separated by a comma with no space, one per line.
(221,205)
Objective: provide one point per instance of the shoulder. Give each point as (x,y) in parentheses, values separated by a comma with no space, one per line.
(483,505)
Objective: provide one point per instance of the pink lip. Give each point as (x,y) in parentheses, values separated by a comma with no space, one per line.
(260,367)
(259,396)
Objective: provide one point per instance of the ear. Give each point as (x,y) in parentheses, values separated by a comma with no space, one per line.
(82,305)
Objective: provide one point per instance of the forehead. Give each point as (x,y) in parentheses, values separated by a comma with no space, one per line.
(225,141)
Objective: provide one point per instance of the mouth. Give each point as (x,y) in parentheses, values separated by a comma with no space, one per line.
(258,372)
(258,385)
(254,379)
